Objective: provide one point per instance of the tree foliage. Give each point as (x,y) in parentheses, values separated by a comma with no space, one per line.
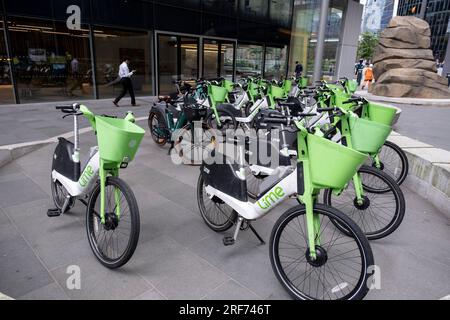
(367,43)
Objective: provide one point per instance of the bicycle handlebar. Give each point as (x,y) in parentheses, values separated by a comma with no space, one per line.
(352,100)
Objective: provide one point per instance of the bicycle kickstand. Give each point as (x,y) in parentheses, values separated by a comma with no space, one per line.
(256,234)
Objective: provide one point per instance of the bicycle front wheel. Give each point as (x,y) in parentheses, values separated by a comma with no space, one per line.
(341,268)
(114,242)
(382,208)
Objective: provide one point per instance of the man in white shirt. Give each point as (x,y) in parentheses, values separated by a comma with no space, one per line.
(125,80)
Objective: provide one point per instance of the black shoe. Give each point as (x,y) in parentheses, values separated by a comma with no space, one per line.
(116,104)
(135,105)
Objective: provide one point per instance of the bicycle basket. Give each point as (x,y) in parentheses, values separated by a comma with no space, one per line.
(287,86)
(303,82)
(194,112)
(118,139)
(253,89)
(352,86)
(218,94)
(276,92)
(368,136)
(379,113)
(229,85)
(332,165)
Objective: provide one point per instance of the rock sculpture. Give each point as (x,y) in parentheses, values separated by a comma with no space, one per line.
(404,65)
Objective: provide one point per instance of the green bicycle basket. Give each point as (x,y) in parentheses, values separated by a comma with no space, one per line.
(229,85)
(118,139)
(303,82)
(379,113)
(276,92)
(332,165)
(352,86)
(287,86)
(217,94)
(368,136)
(253,89)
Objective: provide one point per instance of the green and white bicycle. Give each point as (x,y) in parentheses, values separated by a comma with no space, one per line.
(112,213)
(311,255)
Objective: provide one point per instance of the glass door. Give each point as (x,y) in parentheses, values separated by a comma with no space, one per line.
(177,60)
(218,58)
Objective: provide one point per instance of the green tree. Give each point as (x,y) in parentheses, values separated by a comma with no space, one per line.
(367,44)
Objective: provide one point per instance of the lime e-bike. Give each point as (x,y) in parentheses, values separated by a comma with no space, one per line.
(112,214)
(311,257)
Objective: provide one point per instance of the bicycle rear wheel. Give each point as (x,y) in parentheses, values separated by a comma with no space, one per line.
(217,214)
(394,162)
(114,242)
(341,269)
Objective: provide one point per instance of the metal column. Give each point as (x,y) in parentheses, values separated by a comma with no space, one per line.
(423,9)
(321,40)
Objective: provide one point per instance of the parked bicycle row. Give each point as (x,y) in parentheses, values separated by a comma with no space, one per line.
(332,156)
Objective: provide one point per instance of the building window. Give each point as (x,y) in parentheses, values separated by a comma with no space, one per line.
(275,65)
(249,60)
(6,88)
(227,7)
(177,60)
(254,9)
(111,47)
(280,12)
(50,62)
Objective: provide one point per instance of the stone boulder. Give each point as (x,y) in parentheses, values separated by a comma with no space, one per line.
(404,65)
(386,65)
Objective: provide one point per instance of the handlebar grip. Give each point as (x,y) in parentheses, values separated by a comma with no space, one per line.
(275,120)
(325,109)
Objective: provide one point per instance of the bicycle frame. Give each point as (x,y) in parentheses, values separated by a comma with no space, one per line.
(291,185)
(95,169)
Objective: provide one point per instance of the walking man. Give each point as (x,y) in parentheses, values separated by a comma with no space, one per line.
(125,80)
(359,67)
(298,69)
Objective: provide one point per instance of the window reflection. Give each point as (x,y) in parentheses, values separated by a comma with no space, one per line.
(255,9)
(221,6)
(275,67)
(304,37)
(249,60)
(280,11)
(226,60)
(111,47)
(50,62)
(167,63)
(177,59)
(6,89)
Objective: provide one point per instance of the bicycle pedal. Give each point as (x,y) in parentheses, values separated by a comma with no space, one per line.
(53,212)
(228,241)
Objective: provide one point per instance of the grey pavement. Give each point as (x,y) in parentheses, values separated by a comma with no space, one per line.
(40,121)
(178,257)
(429,124)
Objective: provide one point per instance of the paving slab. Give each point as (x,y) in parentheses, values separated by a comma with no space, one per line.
(177,255)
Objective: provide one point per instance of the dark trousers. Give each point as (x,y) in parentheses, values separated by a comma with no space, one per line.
(127,86)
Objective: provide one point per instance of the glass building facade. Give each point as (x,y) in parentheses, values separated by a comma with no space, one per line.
(377,15)
(437,14)
(53,50)
(304,35)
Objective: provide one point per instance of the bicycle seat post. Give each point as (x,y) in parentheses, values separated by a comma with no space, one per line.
(76,151)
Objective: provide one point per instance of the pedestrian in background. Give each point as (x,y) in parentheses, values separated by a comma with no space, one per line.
(359,67)
(127,85)
(298,69)
(368,76)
